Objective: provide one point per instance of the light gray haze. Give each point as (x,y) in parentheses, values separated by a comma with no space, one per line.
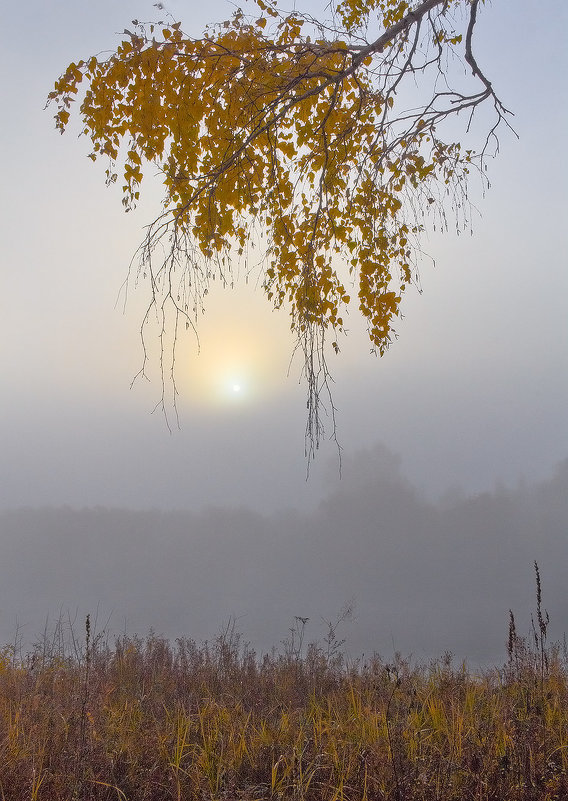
(102,505)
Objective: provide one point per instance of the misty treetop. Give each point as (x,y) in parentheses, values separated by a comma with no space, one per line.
(310,149)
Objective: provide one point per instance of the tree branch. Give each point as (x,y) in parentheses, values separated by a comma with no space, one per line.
(402,25)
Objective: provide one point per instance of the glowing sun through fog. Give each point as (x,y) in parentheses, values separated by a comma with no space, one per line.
(243,356)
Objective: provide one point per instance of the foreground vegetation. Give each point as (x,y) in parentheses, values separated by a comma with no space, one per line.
(148,719)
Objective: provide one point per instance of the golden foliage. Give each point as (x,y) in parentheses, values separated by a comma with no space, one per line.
(285,126)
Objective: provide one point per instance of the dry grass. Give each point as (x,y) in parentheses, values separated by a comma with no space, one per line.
(148,719)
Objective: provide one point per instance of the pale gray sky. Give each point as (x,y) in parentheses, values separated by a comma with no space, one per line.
(474,391)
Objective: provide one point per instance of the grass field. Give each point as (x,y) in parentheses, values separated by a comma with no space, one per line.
(154,720)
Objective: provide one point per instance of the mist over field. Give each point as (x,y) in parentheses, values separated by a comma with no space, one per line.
(168,550)
(473,391)
(422,577)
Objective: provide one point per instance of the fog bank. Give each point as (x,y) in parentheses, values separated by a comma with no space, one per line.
(423,577)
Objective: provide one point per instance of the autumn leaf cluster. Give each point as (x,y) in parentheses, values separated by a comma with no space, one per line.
(280,125)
